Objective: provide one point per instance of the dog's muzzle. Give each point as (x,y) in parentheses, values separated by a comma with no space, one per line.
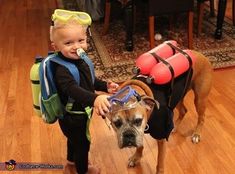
(129,139)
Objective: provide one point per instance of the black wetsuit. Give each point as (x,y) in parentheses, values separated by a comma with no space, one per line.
(74,126)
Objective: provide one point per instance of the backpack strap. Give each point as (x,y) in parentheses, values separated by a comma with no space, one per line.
(75,73)
(46,78)
(49,100)
(71,67)
(48,69)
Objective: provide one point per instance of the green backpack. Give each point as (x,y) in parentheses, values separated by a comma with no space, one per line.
(47,103)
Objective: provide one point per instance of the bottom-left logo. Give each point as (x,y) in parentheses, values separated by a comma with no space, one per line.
(10,165)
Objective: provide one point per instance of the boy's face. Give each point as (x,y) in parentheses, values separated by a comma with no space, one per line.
(68,39)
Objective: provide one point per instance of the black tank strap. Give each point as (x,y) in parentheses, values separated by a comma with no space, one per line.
(190,66)
(159,59)
(182,52)
(172,47)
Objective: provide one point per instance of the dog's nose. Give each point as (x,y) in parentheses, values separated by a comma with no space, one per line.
(128,139)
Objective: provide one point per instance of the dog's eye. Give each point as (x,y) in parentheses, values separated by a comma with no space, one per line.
(118,123)
(137,121)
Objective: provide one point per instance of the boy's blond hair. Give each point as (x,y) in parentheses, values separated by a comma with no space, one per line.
(57,24)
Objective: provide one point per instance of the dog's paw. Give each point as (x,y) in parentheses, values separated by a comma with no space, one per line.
(174,130)
(196,138)
(132,162)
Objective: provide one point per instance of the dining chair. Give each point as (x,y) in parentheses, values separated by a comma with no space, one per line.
(106,16)
(171,7)
(107,13)
(201,8)
(158,7)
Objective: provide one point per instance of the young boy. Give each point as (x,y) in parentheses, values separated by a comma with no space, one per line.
(68,34)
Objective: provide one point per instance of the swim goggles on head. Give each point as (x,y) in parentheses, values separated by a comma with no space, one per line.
(124,99)
(65,15)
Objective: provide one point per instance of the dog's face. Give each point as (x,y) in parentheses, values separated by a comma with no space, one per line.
(129,124)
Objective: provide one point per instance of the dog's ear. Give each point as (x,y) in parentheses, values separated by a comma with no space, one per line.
(149,102)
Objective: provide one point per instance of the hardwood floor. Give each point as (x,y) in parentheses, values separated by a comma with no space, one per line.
(25,138)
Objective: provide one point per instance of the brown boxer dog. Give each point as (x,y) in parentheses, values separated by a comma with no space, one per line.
(130,123)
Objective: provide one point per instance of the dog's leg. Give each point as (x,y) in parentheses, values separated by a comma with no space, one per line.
(134,159)
(161,156)
(201,90)
(200,105)
(182,111)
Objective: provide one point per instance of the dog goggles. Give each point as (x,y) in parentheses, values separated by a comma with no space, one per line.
(124,99)
(65,15)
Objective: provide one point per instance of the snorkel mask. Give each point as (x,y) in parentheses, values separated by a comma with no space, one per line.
(124,99)
(65,15)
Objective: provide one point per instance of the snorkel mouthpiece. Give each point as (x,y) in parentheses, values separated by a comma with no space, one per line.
(80,51)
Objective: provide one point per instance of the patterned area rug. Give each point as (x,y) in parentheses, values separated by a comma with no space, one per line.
(113,62)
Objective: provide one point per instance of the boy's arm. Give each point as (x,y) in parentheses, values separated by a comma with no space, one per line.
(67,86)
(109,86)
(100,85)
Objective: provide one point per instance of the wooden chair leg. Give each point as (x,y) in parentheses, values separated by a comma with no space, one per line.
(106,17)
(200,7)
(212,8)
(233,11)
(190,30)
(151,31)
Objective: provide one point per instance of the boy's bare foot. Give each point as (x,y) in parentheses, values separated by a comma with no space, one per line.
(93,169)
(69,169)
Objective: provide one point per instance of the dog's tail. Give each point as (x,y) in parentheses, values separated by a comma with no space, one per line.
(140,86)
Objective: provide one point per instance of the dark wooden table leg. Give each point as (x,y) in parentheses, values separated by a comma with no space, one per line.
(129,16)
(220,18)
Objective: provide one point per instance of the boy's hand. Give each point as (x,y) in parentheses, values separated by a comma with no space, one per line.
(102,105)
(112,87)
